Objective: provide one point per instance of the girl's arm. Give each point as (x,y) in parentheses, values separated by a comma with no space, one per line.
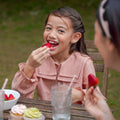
(23,84)
(35,59)
(88,69)
(77,95)
(25,81)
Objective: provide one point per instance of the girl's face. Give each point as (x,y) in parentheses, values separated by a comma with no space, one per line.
(102,43)
(58,31)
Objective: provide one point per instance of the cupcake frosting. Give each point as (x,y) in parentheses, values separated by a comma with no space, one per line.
(32,113)
(18,109)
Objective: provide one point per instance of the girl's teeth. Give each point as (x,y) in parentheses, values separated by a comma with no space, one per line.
(51,42)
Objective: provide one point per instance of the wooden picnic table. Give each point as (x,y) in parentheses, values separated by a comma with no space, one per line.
(78,112)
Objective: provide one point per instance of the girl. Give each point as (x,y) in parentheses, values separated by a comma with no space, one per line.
(107,40)
(67,57)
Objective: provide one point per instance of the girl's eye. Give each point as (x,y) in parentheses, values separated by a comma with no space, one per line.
(48,28)
(61,31)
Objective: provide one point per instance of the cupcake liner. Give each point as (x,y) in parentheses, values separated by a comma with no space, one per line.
(42,118)
(13,117)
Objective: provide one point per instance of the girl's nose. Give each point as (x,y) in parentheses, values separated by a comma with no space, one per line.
(52,34)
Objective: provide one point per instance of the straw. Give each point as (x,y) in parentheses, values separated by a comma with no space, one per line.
(70,85)
(71,82)
(5,83)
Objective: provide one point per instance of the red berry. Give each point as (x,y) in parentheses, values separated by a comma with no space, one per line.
(11,97)
(92,80)
(47,45)
(5,96)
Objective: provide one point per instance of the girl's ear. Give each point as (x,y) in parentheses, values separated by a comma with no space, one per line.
(76,37)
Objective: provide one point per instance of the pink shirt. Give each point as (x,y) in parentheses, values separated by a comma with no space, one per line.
(51,73)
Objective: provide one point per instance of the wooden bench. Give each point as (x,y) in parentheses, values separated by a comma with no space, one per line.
(98,64)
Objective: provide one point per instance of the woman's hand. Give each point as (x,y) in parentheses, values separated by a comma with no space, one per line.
(35,59)
(77,95)
(96,105)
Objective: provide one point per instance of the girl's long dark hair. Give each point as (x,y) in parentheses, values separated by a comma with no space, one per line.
(77,25)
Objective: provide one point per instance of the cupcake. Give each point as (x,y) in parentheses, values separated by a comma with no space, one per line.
(17,112)
(32,114)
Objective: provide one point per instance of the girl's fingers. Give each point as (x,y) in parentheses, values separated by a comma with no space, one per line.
(40,50)
(43,53)
(42,58)
(38,54)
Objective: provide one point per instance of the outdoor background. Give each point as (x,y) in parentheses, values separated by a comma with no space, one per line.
(21,31)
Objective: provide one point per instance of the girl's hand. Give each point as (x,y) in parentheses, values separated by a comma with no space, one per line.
(77,95)
(96,105)
(35,59)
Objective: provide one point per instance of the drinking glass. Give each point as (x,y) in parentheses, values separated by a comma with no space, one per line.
(61,102)
(1,104)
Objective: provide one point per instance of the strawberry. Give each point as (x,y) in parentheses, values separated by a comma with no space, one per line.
(47,45)
(92,80)
(5,96)
(11,97)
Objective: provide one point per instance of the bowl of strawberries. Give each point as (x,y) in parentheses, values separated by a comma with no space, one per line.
(10,98)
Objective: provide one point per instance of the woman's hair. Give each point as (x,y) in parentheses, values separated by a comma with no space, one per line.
(77,25)
(108,15)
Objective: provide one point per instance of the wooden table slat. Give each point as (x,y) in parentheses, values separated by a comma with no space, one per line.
(78,112)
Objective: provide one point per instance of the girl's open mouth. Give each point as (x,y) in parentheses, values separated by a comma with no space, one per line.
(54,44)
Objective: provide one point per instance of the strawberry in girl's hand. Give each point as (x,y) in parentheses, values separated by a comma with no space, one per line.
(92,80)
(47,45)
(11,97)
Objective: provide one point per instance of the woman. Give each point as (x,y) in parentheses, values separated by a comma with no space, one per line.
(107,40)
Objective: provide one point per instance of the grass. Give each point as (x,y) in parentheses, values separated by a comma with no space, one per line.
(21,31)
